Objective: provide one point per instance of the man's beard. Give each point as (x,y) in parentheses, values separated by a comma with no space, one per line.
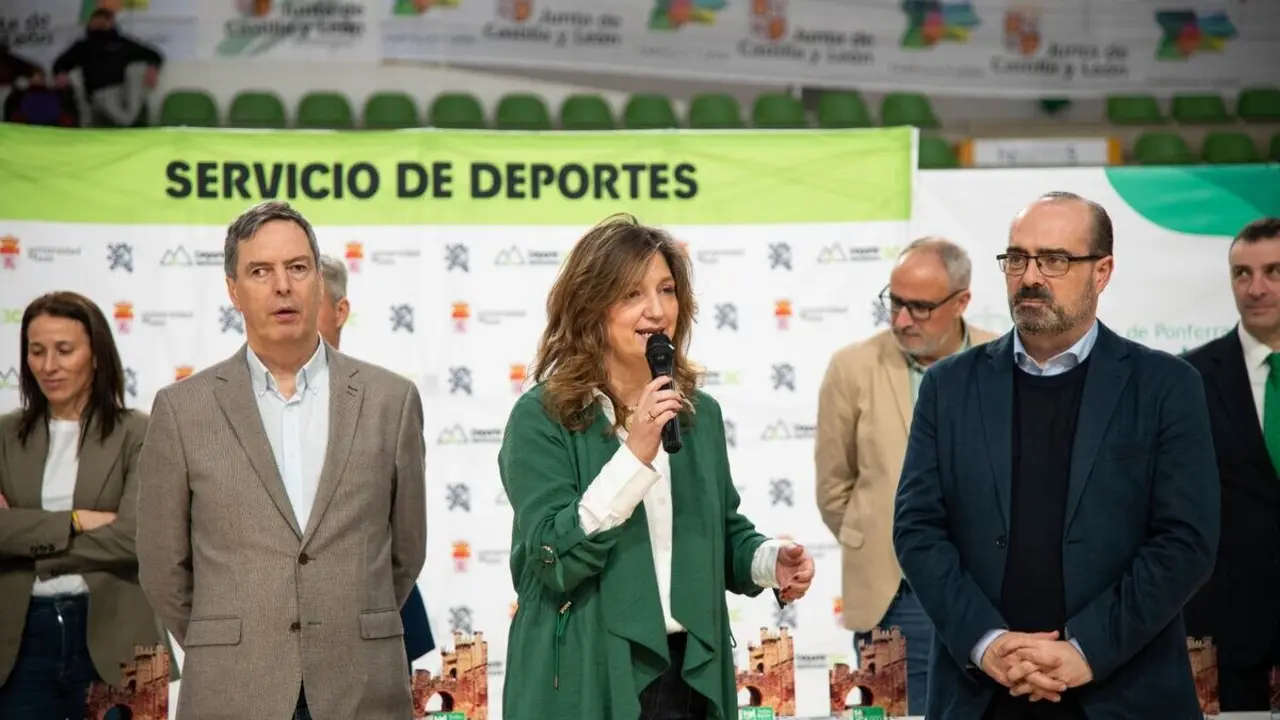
(1048,318)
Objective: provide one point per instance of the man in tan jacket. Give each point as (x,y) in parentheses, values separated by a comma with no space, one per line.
(281,510)
(864,412)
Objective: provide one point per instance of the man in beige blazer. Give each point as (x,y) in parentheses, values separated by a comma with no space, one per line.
(282,512)
(864,411)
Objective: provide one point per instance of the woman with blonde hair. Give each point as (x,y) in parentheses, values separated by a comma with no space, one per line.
(621,552)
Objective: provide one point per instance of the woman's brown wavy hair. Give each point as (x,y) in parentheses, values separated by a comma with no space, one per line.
(605,264)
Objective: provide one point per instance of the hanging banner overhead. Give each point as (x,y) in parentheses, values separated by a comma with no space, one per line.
(991,47)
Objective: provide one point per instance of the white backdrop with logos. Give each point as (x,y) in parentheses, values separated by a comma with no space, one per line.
(775,304)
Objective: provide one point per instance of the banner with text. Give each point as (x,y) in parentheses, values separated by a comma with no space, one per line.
(40,30)
(452,240)
(992,47)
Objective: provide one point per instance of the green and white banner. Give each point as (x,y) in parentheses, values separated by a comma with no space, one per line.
(452,240)
(1173,225)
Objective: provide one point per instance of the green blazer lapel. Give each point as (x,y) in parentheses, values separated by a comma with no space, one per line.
(693,497)
(629,588)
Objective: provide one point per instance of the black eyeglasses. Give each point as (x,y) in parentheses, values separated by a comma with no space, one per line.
(1050,264)
(919,309)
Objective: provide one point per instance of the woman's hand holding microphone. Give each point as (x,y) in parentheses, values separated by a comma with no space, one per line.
(655,408)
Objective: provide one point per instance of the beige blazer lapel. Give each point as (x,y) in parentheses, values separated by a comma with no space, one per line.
(235,395)
(97,457)
(345,398)
(27,463)
(895,372)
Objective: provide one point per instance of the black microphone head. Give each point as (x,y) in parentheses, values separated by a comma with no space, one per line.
(659,342)
(660,353)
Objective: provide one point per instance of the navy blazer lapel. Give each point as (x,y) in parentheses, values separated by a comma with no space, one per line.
(995,398)
(1108,372)
(1233,390)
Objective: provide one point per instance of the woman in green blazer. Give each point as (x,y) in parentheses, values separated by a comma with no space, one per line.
(621,554)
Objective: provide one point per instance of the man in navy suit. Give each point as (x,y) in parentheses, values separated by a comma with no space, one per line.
(1059,500)
(334,311)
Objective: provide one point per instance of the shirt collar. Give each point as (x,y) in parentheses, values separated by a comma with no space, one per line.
(308,377)
(1255,352)
(1072,356)
(605,404)
(915,366)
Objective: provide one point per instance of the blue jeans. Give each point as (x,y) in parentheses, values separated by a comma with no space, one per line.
(906,614)
(51,677)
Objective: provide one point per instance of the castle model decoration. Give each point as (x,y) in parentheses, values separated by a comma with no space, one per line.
(881,676)
(463,682)
(143,693)
(770,675)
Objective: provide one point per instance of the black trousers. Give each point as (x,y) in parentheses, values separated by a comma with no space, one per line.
(1007,707)
(1247,688)
(669,697)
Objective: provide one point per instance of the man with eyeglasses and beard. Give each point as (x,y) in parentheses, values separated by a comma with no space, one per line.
(1059,499)
(864,413)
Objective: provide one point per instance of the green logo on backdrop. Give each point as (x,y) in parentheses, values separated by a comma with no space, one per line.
(10,316)
(867,713)
(755,713)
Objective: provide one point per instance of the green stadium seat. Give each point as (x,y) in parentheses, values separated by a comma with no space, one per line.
(898,109)
(778,111)
(522,111)
(258,110)
(1161,148)
(458,111)
(586,112)
(645,111)
(1259,105)
(715,111)
(192,108)
(1134,110)
(390,111)
(324,111)
(1200,110)
(843,110)
(936,153)
(1230,147)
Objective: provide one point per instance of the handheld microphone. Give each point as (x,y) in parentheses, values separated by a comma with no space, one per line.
(661,355)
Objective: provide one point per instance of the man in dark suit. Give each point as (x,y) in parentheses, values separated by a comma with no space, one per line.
(334,311)
(1240,605)
(1059,499)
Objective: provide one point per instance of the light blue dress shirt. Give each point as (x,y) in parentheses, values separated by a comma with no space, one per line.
(297,427)
(1056,365)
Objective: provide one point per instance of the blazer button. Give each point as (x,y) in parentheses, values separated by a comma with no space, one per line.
(303,559)
(295,626)
(1001,542)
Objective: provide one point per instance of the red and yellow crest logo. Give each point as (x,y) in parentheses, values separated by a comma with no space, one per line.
(461,554)
(782,311)
(461,312)
(354,256)
(123,314)
(10,251)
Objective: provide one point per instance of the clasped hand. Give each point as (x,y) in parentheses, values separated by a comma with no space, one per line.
(1038,665)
